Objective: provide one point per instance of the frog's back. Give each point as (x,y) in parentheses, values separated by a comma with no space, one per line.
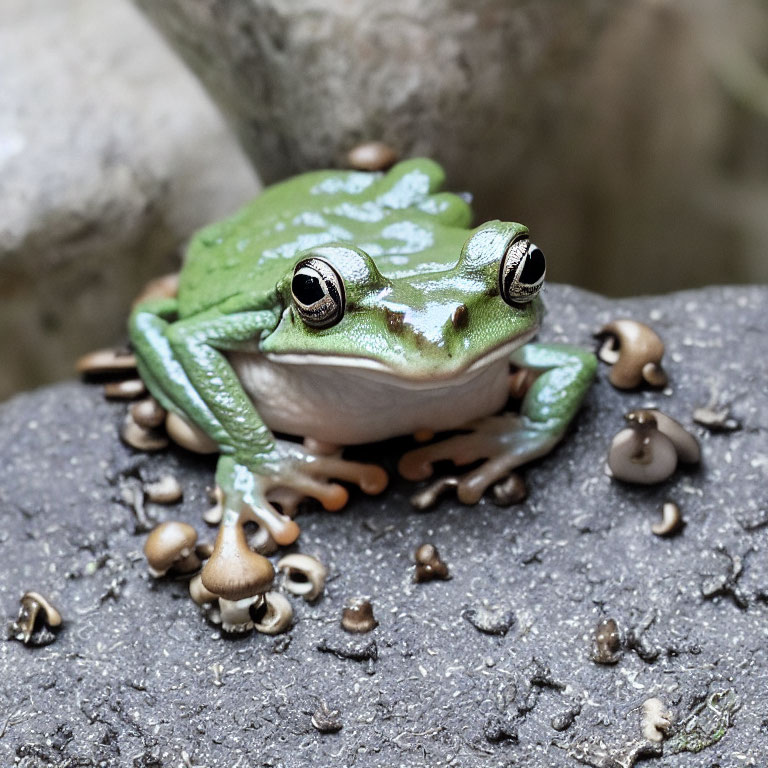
(400,218)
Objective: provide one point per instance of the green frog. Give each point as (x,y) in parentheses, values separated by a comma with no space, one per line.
(346,307)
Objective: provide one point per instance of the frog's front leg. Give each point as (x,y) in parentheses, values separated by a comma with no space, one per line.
(508,440)
(185,365)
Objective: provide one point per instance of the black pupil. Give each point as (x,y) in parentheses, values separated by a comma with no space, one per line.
(307,288)
(534,267)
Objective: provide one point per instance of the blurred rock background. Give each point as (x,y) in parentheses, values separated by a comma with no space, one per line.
(630,135)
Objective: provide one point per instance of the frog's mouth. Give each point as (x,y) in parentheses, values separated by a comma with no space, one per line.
(418,378)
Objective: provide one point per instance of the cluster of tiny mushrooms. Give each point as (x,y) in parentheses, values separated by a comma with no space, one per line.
(652,445)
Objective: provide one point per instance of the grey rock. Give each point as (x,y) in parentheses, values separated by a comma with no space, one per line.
(110,155)
(137,677)
(460,81)
(629,136)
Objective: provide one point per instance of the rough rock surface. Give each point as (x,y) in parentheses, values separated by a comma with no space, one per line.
(110,155)
(136,677)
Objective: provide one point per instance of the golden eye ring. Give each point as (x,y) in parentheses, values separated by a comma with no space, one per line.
(318,293)
(522,272)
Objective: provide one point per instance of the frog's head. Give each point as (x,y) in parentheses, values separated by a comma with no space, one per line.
(339,309)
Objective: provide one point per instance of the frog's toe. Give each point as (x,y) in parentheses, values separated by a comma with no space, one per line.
(279,526)
(370,478)
(474,484)
(460,449)
(426,497)
(331,495)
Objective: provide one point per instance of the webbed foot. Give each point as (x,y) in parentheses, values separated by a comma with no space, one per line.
(505,442)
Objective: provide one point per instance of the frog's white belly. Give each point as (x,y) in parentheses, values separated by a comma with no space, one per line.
(347,405)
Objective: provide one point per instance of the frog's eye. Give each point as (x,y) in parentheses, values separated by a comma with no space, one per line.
(318,292)
(522,271)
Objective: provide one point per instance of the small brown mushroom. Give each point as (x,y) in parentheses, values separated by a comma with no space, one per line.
(199,593)
(148,413)
(273,616)
(32,603)
(128,389)
(188,435)
(357,616)
(671,520)
(204,549)
(106,361)
(304,575)
(429,566)
(634,350)
(371,156)
(606,647)
(510,491)
(171,545)
(641,453)
(140,438)
(166,490)
(234,571)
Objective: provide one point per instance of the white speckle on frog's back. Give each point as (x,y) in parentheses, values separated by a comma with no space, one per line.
(349,406)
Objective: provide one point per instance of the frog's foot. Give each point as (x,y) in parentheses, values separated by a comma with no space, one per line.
(292,474)
(366,476)
(505,442)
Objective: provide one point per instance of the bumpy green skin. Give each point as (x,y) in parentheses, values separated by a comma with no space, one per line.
(408,260)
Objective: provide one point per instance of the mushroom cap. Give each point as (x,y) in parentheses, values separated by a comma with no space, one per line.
(686,445)
(630,346)
(277,615)
(52,616)
(167,543)
(148,413)
(371,156)
(357,615)
(640,454)
(106,361)
(141,438)
(310,568)
(199,593)
(234,571)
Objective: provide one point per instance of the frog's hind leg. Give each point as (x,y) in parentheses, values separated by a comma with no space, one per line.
(509,440)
